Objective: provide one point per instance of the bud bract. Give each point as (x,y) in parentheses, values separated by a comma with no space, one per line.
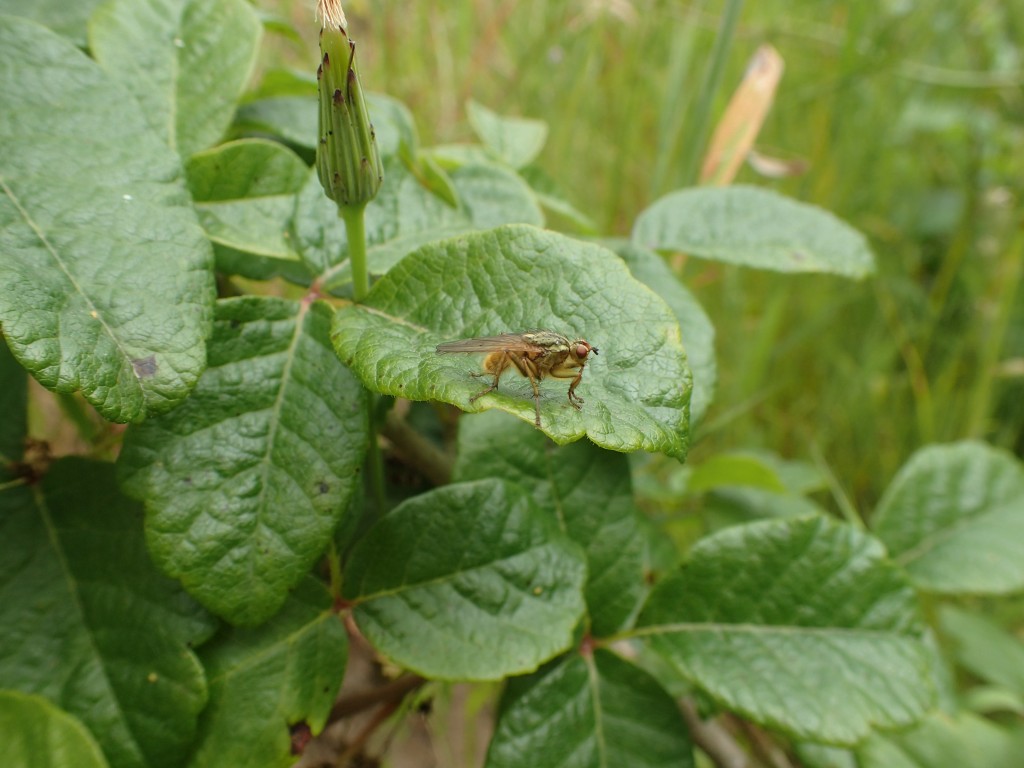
(347,160)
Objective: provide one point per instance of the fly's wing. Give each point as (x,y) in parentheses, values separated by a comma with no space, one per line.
(512,342)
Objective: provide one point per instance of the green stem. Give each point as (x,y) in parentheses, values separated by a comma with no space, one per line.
(13,483)
(846,508)
(980,404)
(376,462)
(355,229)
(416,450)
(673,117)
(712,80)
(334,564)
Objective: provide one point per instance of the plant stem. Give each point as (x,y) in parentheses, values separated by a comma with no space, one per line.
(842,499)
(980,404)
(712,80)
(673,116)
(355,231)
(416,450)
(334,564)
(375,461)
(712,737)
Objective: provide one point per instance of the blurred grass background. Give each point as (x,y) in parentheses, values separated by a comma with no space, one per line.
(910,117)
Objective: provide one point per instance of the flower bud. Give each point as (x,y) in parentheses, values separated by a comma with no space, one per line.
(347,160)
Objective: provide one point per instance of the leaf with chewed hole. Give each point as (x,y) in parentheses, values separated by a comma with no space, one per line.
(106,282)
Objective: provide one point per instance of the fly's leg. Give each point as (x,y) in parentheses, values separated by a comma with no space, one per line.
(503,363)
(536,401)
(575,400)
(529,369)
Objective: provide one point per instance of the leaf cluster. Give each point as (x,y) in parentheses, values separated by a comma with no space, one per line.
(193,602)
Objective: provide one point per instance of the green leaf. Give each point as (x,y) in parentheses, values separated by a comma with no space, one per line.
(435,178)
(35,734)
(403,216)
(734,505)
(467,582)
(244,170)
(954,518)
(493,195)
(754,227)
(822,756)
(588,490)
(730,469)
(290,118)
(86,620)
(393,125)
(264,680)
(13,407)
(698,332)
(801,625)
(185,61)
(293,118)
(553,198)
(588,712)
(513,279)
(245,483)
(245,195)
(516,140)
(105,282)
(406,215)
(452,156)
(985,648)
(944,741)
(66,19)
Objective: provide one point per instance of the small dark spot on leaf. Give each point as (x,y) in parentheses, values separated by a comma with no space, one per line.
(145,367)
(323,487)
(187,480)
(234,323)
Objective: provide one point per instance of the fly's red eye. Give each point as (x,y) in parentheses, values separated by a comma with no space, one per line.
(582,350)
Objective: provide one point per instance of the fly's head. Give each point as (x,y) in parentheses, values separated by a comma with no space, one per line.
(580,349)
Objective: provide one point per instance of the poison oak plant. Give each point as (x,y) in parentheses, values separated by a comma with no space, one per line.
(192,603)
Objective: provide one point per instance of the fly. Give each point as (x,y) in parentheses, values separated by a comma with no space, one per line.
(535,354)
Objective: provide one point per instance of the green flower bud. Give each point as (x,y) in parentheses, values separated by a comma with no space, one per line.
(347,160)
